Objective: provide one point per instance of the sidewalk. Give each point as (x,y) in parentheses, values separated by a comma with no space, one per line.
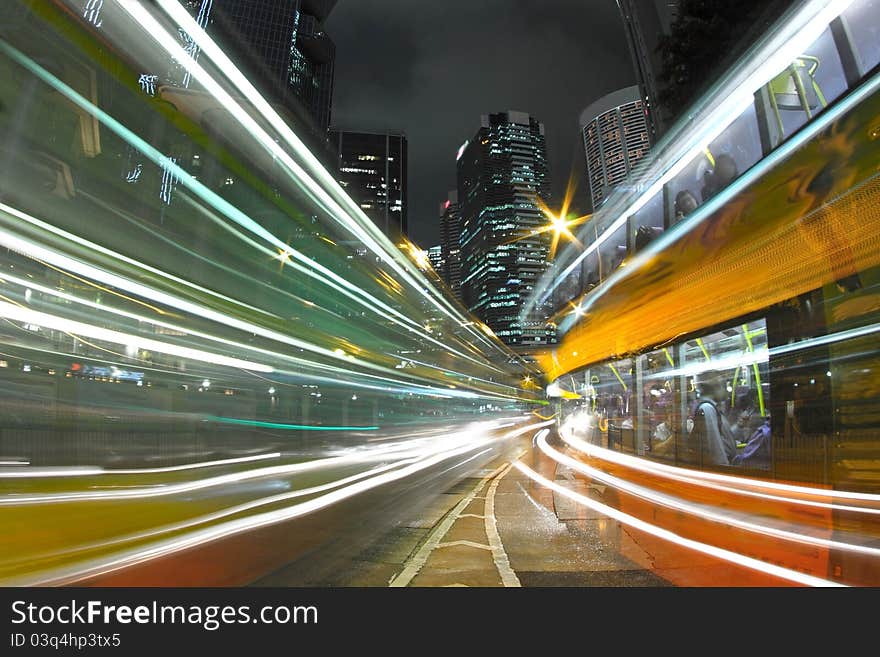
(552,541)
(502,529)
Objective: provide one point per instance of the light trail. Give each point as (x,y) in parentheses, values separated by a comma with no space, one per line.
(698,510)
(28,316)
(753,175)
(13,242)
(63,471)
(312,268)
(66,263)
(320,274)
(230,528)
(728,101)
(67,236)
(364,229)
(286,427)
(665,534)
(476,433)
(740,485)
(218,515)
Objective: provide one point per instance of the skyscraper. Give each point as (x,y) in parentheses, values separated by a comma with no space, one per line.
(502,174)
(435,257)
(450,241)
(615,133)
(644,22)
(373,170)
(280,45)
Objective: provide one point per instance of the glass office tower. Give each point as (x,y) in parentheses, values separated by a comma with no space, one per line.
(450,241)
(502,178)
(373,170)
(645,22)
(281,46)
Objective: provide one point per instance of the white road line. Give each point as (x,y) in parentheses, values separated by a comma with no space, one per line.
(418,560)
(464,543)
(499,556)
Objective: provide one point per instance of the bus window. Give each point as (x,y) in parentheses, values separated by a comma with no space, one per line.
(805,87)
(738,358)
(739,145)
(613,384)
(660,414)
(646,224)
(861,20)
(612,252)
(725,159)
(683,191)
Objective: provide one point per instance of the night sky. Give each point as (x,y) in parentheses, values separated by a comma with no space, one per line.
(431,69)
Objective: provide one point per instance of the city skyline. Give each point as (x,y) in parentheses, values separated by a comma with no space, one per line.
(226,366)
(460,61)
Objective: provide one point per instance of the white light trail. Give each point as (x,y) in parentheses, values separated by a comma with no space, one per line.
(62,472)
(743,484)
(401,385)
(224,513)
(97,248)
(29,316)
(699,510)
(320,273)
(364,228)
(478,433)
(318,192)
(95,273)
(233,527)
(665,534)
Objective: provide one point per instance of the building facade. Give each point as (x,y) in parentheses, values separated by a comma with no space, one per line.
(645,22)
(615,133)
(450,241)
(502,179)
(373,170)
(435,257)
(280,45)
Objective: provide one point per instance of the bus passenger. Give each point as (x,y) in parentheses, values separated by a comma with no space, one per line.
(711,437)
(723,173)
(685,203)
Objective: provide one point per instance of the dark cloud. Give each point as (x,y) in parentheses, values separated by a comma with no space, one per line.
(378,71)
(432,69)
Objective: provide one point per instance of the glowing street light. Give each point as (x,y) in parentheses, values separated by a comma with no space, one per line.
(559,223)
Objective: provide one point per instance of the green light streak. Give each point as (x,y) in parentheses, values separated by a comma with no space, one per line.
(290,427)
(748,337)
